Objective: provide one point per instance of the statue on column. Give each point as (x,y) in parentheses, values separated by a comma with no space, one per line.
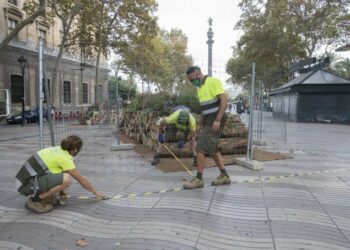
(210,21)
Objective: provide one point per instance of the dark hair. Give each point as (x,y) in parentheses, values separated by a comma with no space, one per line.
(193,69)
(72,142)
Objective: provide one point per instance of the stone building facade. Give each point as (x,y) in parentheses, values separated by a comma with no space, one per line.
(75,88)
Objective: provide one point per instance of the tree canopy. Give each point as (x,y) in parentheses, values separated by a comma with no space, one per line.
(161,61)
(277,33)
(126,87)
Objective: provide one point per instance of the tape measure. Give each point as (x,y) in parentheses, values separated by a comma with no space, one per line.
(263,179)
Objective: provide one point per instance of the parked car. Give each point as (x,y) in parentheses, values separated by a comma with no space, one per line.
(29,117)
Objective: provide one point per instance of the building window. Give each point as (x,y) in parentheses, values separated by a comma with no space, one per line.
(67,92)
(14,2)
(85,93)
(49,90)
(12,23)
(17,89)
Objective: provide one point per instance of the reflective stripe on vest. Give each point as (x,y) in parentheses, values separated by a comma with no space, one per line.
(41,163)
(210,106)
(30,169)
(34,166)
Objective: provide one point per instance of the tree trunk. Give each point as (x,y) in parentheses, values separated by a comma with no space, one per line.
(99,48)
(56,69)
(66,28)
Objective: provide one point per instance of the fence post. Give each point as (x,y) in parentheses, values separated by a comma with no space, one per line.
(117,105)
(41,97)
(49,106)
(258,106)
(116,145)
(261,109)
(249,156)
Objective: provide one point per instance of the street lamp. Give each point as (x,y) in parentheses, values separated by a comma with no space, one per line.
(22,63)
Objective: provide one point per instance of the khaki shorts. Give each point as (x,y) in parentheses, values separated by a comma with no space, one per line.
(208,141)
(46,182)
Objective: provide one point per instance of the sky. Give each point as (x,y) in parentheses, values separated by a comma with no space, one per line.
(191,16)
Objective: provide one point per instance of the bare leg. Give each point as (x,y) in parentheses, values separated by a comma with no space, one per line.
(200,162)
(52,191)
(193,146)
(156,157)
(218,160)
(159,148)
(223,178)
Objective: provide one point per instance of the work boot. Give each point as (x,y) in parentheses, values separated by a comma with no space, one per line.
(38,207)
(56,199)
(221,180)
(63,197)
(52,200)
(195,161)
(194,183)
(155,160)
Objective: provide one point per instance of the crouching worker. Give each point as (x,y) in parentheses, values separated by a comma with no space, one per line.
(181,125)
(47,173)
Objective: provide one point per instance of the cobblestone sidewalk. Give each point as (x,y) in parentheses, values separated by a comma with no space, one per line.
(296,212)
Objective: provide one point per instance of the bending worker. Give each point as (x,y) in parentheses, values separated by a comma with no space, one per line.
(48,172)
(179,125)
(213,103)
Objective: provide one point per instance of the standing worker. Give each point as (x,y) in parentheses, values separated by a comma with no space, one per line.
(181,125)
(213,103)
(48,172)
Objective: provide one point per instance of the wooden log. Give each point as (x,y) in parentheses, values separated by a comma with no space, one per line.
(233,145)
(235,132)
(143,128)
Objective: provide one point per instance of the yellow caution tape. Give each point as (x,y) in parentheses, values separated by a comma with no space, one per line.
(261,179)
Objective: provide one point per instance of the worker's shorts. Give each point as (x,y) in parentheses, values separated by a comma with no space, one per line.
(208,141)
(45,182)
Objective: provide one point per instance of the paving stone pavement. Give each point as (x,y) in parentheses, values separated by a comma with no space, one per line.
(300,212)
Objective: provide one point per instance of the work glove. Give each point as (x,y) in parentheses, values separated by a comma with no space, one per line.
(181,144)
(161,138)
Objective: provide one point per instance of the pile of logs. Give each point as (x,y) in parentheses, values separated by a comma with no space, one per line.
(234,137)
(143,129)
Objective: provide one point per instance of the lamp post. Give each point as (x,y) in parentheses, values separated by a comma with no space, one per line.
(22,63)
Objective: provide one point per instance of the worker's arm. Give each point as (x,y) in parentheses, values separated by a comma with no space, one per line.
(192,127)
(221,112)
(162,125)
(190,135)
(85,183)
